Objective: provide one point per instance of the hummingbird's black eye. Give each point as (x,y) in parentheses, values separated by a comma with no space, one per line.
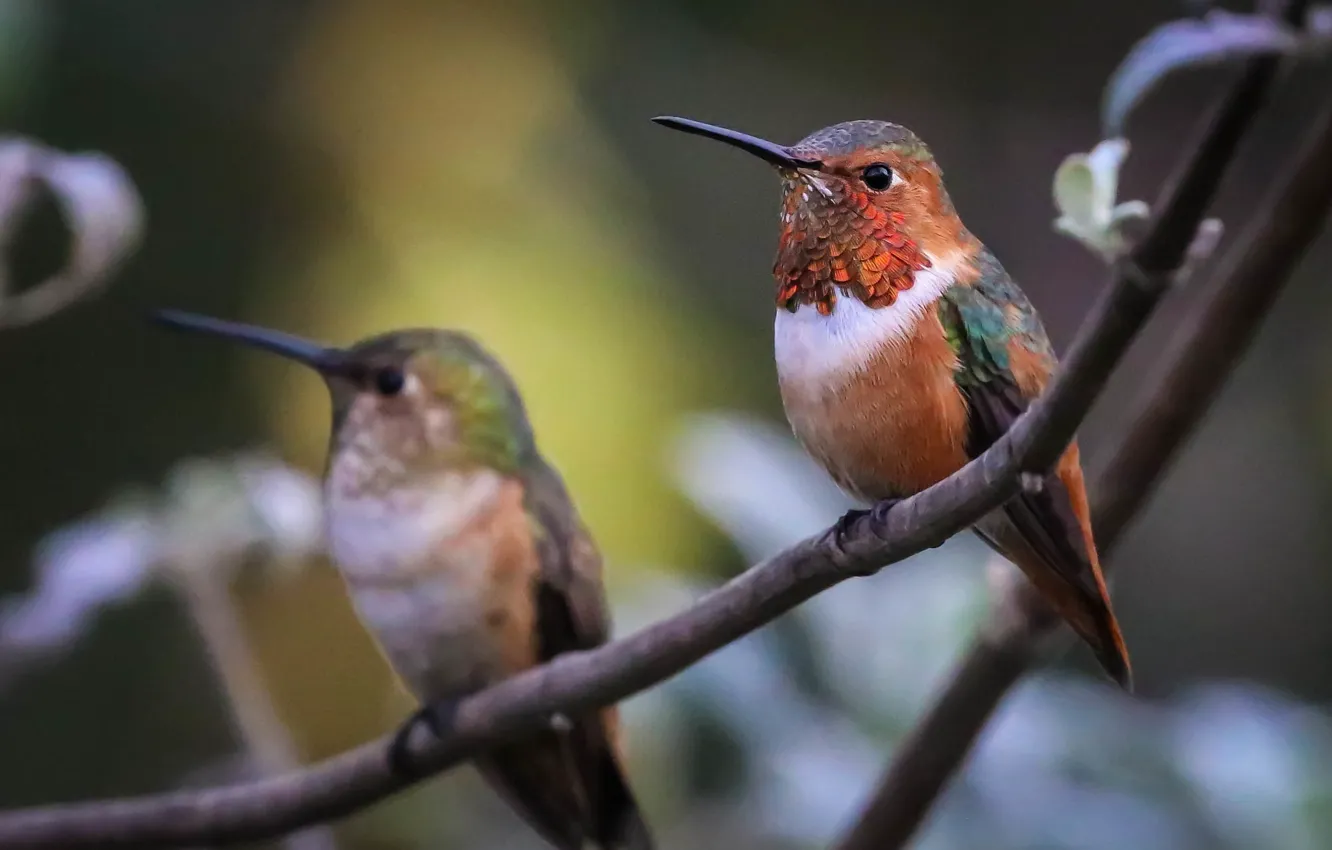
(389,381)
(877,177)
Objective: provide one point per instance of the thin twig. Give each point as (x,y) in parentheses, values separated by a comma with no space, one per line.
(267,741)
(583,680)
(1214,335)
(1205,351)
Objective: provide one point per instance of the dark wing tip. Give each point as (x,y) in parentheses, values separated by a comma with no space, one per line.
(1117,667)
(1113,653)
(635,834)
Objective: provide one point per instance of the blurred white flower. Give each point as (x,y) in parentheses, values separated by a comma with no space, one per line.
(217,511)
(885,642)
(80,569)
(209,516)
(288,503)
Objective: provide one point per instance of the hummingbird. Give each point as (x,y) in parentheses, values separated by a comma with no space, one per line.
(464,556)
(904,349)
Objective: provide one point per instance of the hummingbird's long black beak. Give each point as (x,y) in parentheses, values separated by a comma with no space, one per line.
(326,361)
(770,152)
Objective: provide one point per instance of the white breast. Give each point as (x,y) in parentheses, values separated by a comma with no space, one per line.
(381,536)
(826,350)
(428,622)
(432,634)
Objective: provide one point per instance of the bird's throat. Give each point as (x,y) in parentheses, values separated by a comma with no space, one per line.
(828,348)
(860,252)
(391,533)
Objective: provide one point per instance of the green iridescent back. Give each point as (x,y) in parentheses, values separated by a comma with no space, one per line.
(982,319)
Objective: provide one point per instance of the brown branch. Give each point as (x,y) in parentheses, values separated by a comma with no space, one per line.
(584,680)
(1204,352)
(1214,336)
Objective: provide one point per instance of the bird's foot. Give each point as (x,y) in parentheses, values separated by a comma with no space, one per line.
(844,523)
(841,531)
(438,717)
(878,518)
(879,513)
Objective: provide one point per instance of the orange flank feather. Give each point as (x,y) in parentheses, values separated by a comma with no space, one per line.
(901,422)
(512,570)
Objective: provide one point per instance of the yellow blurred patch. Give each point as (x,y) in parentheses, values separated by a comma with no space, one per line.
(436,121)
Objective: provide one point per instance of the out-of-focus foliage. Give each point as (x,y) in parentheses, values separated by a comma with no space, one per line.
(1069,762)
(338,168)
(776,739)
(1085,188)
(1216,37)
(102,210)
(212,516)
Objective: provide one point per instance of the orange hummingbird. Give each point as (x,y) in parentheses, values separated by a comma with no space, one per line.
(904,350)
(464,556)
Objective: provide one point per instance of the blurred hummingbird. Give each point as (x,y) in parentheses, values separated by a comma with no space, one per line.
(464,556)
(904,350)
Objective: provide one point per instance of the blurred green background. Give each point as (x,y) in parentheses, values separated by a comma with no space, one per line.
(339,168)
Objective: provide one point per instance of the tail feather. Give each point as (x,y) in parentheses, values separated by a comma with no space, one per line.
(570,788)
(1108,644)
(1048,535)
(1090,616)
(1088,613)
(621,826)
(534,780)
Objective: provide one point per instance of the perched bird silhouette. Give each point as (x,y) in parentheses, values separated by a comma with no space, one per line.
(904,350)
(464,556)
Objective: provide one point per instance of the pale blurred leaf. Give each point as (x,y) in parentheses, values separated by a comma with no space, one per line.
(210,514)
(1075,190)
(101,207)
(1215,38)
(216,511)
(1085,191)
(80,569)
